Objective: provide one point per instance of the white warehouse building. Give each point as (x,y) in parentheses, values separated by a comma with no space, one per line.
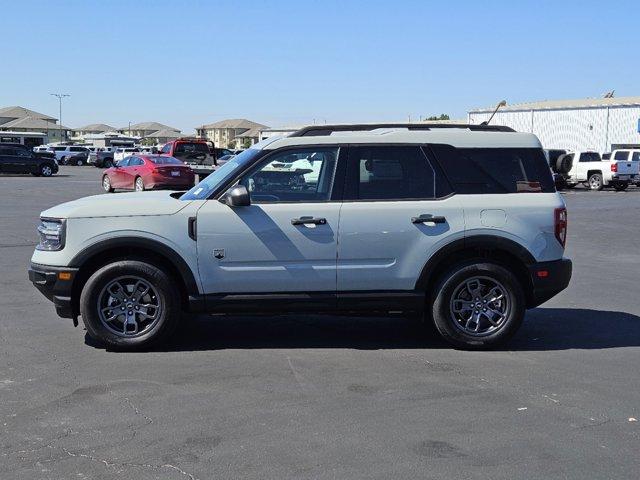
(600,124)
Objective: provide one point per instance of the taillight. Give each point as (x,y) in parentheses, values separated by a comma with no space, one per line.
(561,225)
(614,167)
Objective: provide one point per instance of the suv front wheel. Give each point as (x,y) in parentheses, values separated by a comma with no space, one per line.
(478,305)
(129,305)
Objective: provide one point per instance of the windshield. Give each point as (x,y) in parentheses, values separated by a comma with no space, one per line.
(207,186)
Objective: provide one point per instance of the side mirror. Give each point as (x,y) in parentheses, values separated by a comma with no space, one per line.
(237,196)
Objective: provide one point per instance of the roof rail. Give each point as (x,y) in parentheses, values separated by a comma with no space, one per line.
(323,130)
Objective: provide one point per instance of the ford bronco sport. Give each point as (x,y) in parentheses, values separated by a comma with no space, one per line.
(460,224)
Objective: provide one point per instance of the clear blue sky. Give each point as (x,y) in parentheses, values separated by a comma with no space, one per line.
(287,62)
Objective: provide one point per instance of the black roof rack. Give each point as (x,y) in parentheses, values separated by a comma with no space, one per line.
(323,130)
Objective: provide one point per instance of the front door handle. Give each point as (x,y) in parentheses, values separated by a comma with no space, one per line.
(427,218)
(308,220)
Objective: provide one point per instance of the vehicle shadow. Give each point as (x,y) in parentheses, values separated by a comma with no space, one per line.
(543,329)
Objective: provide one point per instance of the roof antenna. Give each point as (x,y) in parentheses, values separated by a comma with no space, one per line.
(503,103)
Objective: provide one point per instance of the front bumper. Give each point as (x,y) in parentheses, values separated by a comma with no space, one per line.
(548,279)
(55,287)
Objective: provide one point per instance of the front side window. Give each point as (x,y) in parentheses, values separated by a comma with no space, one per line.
(495,170)
(621,155)
(124,162)
(135,161)
(390,173)
(295,175)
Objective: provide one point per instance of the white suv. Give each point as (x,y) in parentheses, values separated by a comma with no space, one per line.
(461,224)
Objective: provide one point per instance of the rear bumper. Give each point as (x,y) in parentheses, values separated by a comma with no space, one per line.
(47,280)
(548,279)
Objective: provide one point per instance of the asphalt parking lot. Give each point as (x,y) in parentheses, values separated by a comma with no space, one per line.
(292,397)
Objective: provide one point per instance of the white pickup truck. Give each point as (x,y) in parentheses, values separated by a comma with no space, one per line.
(589,168)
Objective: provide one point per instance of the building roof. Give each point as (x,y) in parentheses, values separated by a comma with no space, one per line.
(565,104)
(21,112)
(251,133)
(165,133)
(154,126)
(30,122)
(96,127)
(237,123)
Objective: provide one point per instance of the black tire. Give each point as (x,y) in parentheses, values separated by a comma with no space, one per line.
(106,184)
(564,163)
(45,170)
(168,315)
(620,187)
(595,182)
(442,303)
(79,162)
(63,160)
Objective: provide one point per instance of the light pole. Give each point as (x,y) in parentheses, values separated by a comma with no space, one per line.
(60,96)
(503,103)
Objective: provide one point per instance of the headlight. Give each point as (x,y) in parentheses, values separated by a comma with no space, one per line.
(51,231)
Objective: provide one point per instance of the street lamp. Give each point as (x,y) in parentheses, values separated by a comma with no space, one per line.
(503,103)
(60,96)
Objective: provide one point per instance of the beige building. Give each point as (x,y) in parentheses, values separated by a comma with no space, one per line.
(143,130)
(233,133)
(20,119)
(93,129)
(163,136)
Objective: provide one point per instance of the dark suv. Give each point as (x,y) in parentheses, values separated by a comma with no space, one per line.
(17,158)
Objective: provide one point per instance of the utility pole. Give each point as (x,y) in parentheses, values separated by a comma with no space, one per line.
(60,96)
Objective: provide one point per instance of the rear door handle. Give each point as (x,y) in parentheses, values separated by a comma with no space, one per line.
(308,220)
(427,218)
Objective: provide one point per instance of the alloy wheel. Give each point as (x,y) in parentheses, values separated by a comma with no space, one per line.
(139,186)
(129,306)
(480,306)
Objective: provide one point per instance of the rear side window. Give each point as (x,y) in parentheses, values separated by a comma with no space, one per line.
(495,170)
(590,157)
(622,155)
(635,157)
(391,173)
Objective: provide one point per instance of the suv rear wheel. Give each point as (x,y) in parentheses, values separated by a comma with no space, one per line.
(478,305)
(45,170)
(130,305)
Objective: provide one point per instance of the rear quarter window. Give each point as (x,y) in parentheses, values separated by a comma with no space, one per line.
(495,170)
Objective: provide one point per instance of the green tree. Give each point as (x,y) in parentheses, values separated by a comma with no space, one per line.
(443,116)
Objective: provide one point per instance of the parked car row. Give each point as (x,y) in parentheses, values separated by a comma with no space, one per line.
(617,169)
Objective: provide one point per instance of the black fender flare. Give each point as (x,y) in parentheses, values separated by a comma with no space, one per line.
(155,246)
(489,242)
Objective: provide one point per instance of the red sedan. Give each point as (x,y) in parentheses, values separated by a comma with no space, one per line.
(146,172)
